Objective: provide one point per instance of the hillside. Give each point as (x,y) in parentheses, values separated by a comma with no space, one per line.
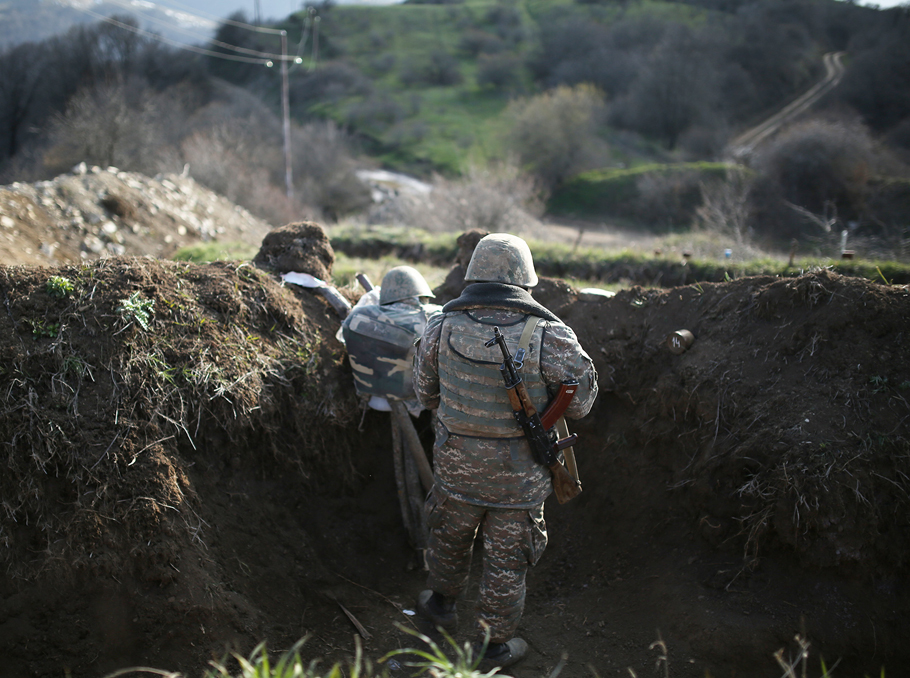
(618,112)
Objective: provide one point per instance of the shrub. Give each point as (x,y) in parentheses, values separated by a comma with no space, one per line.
(496,198)
(500,71)
(111,125)
(554,135)
(375,114)
(330,82)
(474,42)
(816,167)
(441,69)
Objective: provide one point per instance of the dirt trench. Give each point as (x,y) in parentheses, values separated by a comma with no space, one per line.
(749,489)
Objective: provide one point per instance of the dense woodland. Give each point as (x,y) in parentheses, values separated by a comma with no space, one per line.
(556,88)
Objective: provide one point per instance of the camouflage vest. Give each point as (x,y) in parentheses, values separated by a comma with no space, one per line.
(380,343)
(473,398)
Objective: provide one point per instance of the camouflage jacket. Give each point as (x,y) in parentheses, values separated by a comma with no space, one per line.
(474,461)
(380,342)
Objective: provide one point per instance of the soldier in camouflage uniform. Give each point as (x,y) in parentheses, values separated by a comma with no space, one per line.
(485,475)
(379,334)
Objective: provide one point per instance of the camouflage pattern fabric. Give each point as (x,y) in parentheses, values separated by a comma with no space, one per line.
(470,382)
(489,482)
(380,342)
(471,464)
(513,540)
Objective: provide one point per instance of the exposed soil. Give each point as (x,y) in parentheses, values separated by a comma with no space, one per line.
(172,493)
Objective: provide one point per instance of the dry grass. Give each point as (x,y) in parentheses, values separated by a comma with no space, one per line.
(100,416)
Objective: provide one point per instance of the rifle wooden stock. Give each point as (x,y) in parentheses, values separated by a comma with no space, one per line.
(565,487)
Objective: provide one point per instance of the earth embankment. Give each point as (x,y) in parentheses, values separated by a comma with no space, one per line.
(204,479)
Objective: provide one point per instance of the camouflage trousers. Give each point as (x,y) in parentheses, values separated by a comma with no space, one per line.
(513,540)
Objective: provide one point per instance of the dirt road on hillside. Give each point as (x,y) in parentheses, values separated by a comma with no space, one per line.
(746,142)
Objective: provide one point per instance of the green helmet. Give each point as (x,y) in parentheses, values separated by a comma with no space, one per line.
(503,258)
(403,282)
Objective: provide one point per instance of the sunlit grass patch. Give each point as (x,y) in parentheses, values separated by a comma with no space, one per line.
(203,252)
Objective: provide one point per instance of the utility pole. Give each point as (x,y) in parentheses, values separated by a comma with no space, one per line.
(257,17)
(286,114)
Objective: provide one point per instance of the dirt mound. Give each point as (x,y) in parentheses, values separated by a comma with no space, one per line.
(301,247)
(186,470)
(93,213)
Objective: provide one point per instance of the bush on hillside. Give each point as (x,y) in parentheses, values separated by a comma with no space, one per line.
(495,199)
(331,82)
(813,178)
(554,135)
(500,71)
(375,113)
(675,91)
(117,124)
(441,69)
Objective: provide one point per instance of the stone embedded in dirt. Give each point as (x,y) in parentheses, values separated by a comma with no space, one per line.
(302,247)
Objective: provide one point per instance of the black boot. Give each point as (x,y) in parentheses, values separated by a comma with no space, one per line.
(502,654)
(435,607)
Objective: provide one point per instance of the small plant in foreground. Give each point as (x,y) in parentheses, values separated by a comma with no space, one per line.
(289,665)
(136,308)
(438,665)
(58,286)
(41,328)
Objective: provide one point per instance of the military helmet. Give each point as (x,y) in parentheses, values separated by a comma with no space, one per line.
(503,258)
(403,282)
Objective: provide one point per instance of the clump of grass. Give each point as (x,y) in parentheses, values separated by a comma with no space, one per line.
(204,252)
(435,661)
(291,665)
(288,665)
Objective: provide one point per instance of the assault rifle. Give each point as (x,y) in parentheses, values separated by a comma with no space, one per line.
(537,428)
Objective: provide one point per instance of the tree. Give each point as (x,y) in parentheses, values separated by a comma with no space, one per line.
(817,167)
(108,125)
(237,72)
(554,135)
(21,82)
(676,91)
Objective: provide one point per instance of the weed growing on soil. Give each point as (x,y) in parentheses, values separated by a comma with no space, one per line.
(58,286)
(437,664)
(790,666)
(41,328)
(289,665)
(136,308)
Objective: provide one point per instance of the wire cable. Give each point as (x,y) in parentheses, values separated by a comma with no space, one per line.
(178,29)
(263,58)
(182,45)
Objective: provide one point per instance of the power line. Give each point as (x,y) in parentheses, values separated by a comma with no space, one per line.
(263,58)
(178,29)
